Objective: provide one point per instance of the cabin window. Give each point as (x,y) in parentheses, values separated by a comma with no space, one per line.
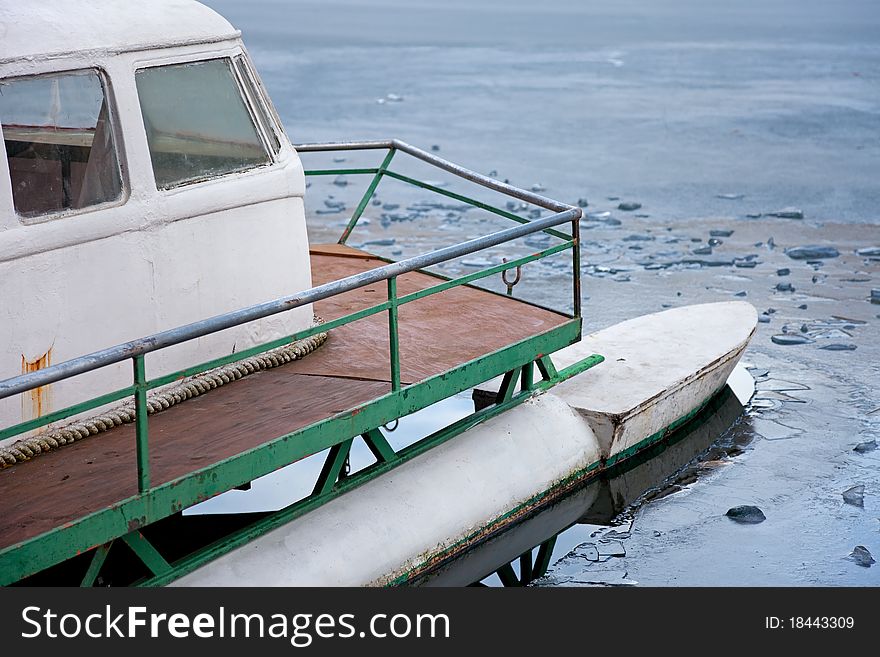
(197,122)
(59,142)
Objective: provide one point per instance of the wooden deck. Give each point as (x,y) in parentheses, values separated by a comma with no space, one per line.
(437,333)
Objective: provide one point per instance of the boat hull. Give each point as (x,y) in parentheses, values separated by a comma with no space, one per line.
(433,508)
(625,435)
(659,370)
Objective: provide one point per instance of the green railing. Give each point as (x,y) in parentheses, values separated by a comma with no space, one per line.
(141,385)
(137,350)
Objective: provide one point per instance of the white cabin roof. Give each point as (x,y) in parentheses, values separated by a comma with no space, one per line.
(31,28)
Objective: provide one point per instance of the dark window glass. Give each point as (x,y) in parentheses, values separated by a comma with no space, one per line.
(59,142)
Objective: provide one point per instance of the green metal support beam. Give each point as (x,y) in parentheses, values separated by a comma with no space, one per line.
(141,431)
(546,368)
(507,576)
(336,459)
(379,446)
(526,376)
(393,334)
(471,201)
(525,567)
(339,172)
(542,560)
(371,189)
(302,507)
(147,553)
(508,385)
(98,559)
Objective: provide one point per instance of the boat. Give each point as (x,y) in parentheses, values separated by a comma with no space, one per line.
(173,337)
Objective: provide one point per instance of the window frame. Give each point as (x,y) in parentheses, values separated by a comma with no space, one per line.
(118,147)
(195,58)
(265,100)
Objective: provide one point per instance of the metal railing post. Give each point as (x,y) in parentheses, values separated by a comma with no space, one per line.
(393,335)
(140,409)
(576,264)
(367,196)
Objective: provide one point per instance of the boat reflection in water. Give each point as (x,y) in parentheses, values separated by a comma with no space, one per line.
(524,552)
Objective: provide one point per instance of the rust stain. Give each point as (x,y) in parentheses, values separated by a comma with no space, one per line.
(38,397)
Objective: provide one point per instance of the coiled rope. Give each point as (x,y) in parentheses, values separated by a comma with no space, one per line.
(158,401)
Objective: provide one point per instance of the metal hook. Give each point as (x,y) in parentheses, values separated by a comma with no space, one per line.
(389,429)
(515,280)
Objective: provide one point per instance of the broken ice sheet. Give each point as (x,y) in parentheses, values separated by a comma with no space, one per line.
(780,385)
(619,532)
(790,339)
(610,548)
(855,495)
(813,251)
(586,551)
(839,347)
(787,213)
(602,578)
(861,556)
(747,514)
(781,396)
(773,429)
(865,447)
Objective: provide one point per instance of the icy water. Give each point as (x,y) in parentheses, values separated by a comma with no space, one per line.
(711,116)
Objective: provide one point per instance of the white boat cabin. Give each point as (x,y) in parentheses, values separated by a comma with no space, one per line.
(147,183)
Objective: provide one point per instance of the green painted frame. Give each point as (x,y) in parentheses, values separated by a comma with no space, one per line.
(123,520)
(40,552)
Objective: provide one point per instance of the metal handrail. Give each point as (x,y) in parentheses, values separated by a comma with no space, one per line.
(446,165)
(136,350)
(382,170)
(128,350)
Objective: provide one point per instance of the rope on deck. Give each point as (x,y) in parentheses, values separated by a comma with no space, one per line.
(158,401)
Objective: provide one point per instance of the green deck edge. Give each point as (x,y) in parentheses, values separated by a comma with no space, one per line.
(35,554)
(389,461)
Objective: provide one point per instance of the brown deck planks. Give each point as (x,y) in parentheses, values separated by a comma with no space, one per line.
(436,334)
